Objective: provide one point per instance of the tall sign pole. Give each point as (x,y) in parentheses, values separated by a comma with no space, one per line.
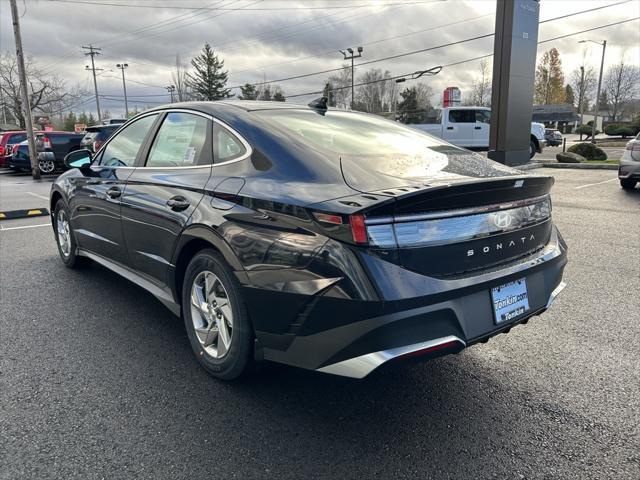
(26,105)
(514,64)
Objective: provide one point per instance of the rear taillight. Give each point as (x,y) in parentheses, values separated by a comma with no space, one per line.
(96,145)
(358,228)
(1,150)
(633,146)
(46,143)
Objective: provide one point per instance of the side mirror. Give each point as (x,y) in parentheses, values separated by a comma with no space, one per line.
(78,159)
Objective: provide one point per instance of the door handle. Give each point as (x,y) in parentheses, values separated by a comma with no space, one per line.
(449,128)
(178,203)
(114,192)
(477,128)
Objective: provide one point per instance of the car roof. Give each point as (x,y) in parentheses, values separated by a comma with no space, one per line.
(214,107)
(95,128)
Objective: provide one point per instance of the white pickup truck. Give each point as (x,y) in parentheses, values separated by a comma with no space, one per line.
(469,127)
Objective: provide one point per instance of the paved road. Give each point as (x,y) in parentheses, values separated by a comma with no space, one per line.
(97,379)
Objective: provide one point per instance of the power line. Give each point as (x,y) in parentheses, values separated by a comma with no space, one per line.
(176,7)
(422,50)
(92,52)
(471,59)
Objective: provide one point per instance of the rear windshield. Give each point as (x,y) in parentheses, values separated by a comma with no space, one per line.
(17,138)
(352,135)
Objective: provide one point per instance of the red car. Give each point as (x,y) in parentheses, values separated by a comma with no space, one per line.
(7,141)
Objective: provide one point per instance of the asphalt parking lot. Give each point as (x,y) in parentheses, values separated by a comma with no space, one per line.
(97,379)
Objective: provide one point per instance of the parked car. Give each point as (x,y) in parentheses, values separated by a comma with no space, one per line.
(469,127)
(96,135)
(52,147)
(324,239)
(7,141)
(553,137)
(629,169)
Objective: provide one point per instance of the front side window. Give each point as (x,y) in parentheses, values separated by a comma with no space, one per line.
(228,146)
(123,149)
(181,142)
(483,116)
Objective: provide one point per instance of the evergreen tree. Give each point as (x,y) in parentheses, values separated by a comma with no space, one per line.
(278,96)
(69,122)
(408,107)
(568,95)
(83,119)
(330,94)
(265,94)
(248,92)
(549,81)
(92,120)
(209,79)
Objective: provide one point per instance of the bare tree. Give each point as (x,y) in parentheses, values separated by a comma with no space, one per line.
(179,80)
(377,93)
(341,87)
(621,84)
(47,94)
(481,86)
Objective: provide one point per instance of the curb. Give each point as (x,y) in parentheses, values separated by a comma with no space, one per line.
(582,166)
(15,214)
(528,166)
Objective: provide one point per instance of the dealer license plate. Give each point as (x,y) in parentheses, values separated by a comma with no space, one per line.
(510,301)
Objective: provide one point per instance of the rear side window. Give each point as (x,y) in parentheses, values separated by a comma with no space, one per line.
(17,138)
(483,116)
(228,146)
(181,142)
(123,149)
(462,116)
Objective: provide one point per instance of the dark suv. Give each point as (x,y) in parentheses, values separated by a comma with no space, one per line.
(95,136)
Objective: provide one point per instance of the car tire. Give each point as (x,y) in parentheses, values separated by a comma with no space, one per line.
(65,237)
(628,183)
(46,166)
(532,149)
(213,310)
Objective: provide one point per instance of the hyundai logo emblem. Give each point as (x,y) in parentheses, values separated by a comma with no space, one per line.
(502,219)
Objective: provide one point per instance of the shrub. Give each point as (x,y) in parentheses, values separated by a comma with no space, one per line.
(568,157)
(588,151)
(622,130)
(585,130)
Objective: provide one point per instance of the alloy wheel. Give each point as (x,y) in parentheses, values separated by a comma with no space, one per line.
(211,314)
(64,233)
(46,166)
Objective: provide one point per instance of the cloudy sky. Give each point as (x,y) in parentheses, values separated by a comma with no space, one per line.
(274,39)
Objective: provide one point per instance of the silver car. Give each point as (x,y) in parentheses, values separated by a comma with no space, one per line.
(629,170)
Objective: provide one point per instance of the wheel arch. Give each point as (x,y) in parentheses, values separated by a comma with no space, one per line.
(56,196)
(536,142)
(192,241)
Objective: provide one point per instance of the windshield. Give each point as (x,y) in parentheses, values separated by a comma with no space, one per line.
(349,134)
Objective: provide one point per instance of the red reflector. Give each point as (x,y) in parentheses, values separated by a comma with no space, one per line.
(96,145)
(328,218)
(358,228)
(1,150)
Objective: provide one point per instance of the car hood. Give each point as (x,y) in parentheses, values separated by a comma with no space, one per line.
(443,165)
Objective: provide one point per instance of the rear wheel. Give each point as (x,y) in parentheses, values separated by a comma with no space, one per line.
(46,166)
(532,149)
(628,183)
(215,317)
(65,238)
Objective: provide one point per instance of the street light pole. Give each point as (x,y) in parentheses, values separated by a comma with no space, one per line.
(595,115)
(122,67)
(351,56)
(93,51)
(171,89)
(581,99)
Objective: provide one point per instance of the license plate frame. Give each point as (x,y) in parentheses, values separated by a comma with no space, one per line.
(510,301)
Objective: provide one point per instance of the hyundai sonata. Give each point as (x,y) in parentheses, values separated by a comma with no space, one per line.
(324,239)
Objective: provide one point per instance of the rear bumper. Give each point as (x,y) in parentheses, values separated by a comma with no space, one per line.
(415,315)
(629,170)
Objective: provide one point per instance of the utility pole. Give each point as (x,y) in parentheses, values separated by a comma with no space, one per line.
(581,99)
(351,56)
(93,51)
(595,115)
(122,66)
(171,89)
(4,107)
(26,104)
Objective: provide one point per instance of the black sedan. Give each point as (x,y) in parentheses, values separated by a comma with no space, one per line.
(324,239)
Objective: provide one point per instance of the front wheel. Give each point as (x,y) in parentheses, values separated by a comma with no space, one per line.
(215,317)
(532,149)
(628,183)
